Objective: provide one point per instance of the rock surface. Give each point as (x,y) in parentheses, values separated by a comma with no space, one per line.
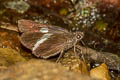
(72,62)
(40,70)
(100,72)
(9,57)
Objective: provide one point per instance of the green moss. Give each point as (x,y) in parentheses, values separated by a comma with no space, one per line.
(100,25)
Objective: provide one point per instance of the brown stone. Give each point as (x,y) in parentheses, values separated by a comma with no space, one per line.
(40,70)
(100,72)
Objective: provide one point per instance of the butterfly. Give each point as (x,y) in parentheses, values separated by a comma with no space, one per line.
(46,40)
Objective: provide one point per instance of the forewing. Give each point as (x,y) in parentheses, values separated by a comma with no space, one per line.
(31,26)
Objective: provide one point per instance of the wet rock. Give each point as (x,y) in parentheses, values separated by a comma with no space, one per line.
(118,78)
(72,62)
(8,26)
(19,5)
(40,70)
(10,39)
(9,57)
(40,2)
(100,72)
(112,60)
(109,2)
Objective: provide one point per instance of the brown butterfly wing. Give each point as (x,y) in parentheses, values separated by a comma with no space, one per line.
(51,46)
(28,39)
(31,26)
(45,48)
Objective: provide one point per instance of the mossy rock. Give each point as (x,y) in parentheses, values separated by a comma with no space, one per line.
(9,57)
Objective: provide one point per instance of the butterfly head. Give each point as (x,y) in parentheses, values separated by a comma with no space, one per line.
(78,35)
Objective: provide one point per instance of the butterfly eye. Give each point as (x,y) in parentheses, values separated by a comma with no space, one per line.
(79,37)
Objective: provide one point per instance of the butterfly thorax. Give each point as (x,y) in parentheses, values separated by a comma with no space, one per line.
(73,39)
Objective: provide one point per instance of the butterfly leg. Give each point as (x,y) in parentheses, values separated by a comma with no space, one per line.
(78,58)
(76,55)
(80,51)
(61,54)
(83,56)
